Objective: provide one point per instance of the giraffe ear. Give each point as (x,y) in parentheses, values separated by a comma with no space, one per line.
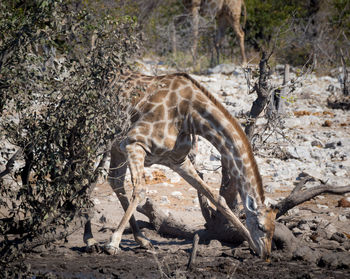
(250,204)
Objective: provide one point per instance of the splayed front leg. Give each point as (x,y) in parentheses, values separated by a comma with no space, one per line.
(135,158)
(113,246)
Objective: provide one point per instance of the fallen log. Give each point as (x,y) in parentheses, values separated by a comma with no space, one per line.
(218,228)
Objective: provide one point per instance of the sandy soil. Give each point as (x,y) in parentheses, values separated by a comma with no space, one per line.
(170,256)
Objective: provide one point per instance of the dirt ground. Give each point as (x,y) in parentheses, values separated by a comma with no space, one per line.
(170,255)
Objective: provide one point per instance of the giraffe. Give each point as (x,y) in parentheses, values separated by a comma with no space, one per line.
(227,13)
(168,112)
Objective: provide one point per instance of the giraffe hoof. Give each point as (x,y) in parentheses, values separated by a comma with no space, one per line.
(111,250)
(92,249)
(92,246)
(144,243)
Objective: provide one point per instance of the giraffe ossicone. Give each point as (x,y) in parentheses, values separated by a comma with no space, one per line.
(168,112)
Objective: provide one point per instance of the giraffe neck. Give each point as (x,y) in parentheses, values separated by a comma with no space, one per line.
(218,126)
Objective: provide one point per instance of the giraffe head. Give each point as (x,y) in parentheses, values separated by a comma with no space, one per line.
(261,225)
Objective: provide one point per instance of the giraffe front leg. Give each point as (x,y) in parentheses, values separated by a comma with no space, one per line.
(136,157)
(116,179)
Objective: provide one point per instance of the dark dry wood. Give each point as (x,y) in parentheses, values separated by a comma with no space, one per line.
(298,195)
(10,163)
(193,255)
(262,89)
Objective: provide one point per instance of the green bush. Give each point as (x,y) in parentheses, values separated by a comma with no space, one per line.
(59,107)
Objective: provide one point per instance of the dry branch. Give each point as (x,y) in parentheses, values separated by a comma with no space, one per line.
(261,88)
(193,255)
(11,162)
(163,223)
(298,196)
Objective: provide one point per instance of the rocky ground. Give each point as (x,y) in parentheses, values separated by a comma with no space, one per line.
(311,139)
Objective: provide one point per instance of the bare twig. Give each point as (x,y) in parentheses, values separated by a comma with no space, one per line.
(262,89)
(345,74)
(193,255)
(11,162)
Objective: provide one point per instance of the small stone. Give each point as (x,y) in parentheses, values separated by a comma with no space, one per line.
(344,202)
(177,194)
(339,237)
(304,227)
(215,244)
(112,198)
(322,206)
(327,123)
(331,214)
(103,219)
(296,231)
(331,145)
(342,218)
(330,230)
(164,200)
(175,179)
(317,143)
(96,201)
(294,211)
(269,201)
(195,201)
(152,192)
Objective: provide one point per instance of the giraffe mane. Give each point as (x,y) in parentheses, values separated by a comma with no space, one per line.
(238,128)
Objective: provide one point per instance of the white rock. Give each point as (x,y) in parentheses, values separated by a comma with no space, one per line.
(294,211)
(96,201)
(299,152)
(223,69)
(175,178)
(112,198)
(152,192)
(331,214)
(177,194)
(322,206)
(330,230)
(342,218)
(341,173)
(272,187)
(164,200)
(269,201)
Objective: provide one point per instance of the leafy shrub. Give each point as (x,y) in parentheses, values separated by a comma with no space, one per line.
(60,108)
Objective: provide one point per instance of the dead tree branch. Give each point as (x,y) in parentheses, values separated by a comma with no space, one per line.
(163,223)
(298,196)
(262,89)
(193,255)
(11,162)
(345,75)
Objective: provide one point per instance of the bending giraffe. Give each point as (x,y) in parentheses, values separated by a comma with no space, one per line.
(168,111)
(226,12)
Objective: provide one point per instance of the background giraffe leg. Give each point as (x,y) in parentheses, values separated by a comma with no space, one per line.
(236,25)
(195,26)
(188,172)
(136,158)
(117,171)
(219,36)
